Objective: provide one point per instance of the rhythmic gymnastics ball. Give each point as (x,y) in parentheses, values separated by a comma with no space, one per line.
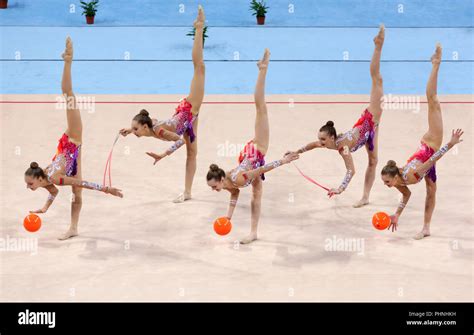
(381,220)
(32,223)
(222,226)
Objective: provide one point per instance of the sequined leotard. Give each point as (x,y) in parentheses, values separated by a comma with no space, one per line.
(365,127)
(66,157)
(250,158)
(182,120)
(423,153)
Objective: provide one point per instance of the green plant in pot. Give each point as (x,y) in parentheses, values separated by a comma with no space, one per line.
(3,4)
(259,9)
(90,8)
(204,34)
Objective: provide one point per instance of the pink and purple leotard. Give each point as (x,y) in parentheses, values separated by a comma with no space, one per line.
(250,158)
(66,155)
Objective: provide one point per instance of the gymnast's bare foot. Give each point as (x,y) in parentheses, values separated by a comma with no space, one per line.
(72,232)
(68,52)
(201,18)
(182,198)
(378,40)
(436,58)
(263,63)
(361,203)
(422,234)
(249,239)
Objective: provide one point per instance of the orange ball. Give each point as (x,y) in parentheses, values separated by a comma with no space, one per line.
(222,226)
(381,220)
(32,223)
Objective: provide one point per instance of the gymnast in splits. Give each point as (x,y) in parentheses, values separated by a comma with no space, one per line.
(181,128)
(65,168)
(364,132)
(422,164)
(252,165)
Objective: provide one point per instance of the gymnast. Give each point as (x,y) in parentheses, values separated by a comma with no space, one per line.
(364,132)
(65,168)
(181,128)
(252,167)
(422,164)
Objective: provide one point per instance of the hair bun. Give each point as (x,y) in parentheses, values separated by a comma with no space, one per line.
(34,165)
(391,163)
(144,112)
(214,167)
(330,124)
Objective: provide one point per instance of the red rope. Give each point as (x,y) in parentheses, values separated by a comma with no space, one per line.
(309,179)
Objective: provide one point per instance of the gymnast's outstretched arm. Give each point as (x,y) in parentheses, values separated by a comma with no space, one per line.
(307,147)
(53,192)
(62,180)
(406,193)
(455,139)
(167,136)
(266,168)
(234,197)
(350,172)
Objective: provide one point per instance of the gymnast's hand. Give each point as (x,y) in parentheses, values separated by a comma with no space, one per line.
(124,132)
(456,137)
(38,211)
(157,157)
(334,191)
(114,191)
(289,157)
(393,222)
(290,152)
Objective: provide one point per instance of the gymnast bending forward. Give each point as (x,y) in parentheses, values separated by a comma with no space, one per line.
(364,133)
(422,164)
(181,128)
(252,167)
(65,168)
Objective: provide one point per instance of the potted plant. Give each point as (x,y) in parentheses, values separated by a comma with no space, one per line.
(204,34)
(259,10)
(3,4)
(90,8)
